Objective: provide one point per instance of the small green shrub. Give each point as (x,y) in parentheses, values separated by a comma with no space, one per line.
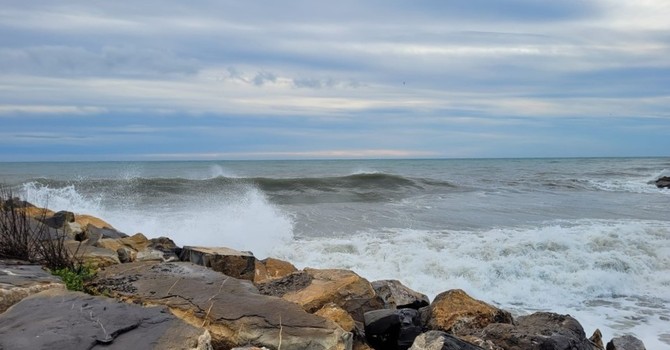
(75,279)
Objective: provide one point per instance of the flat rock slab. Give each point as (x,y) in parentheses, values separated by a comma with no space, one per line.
(232,309)
(228,261)
(59,319)
(18,281)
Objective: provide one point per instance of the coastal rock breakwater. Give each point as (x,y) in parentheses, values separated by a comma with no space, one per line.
(152,293)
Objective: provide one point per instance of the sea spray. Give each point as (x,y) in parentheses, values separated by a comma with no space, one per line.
(241,219)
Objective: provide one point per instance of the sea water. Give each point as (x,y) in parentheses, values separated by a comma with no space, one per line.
(589,237)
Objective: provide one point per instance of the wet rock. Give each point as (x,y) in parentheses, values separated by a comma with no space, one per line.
(438,340)
(233,310)
(539,331)
(59,319)
(663,182)
(228,261)
(397,296)
(19,280)
(271,268)
(344,288)
(456,312)
(139,248)
(392,329)
(626,342)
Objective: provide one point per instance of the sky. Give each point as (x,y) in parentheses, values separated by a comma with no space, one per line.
(199,80)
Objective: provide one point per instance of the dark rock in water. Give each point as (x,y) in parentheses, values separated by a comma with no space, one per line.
(397,296)
(59,319)
(627,342)
(392,329)
(59,219)
(541,331)
(438,340)
(663,182)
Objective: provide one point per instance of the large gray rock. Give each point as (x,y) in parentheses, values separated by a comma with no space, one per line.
(663,182)
(233,310)
(626,342)
(397,296)
(438,340)
(539,331)
(59,319)
(20,280)
(228,261)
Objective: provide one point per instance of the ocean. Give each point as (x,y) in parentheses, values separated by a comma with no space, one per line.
(589,237)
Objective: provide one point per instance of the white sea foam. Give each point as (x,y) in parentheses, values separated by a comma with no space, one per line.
(244,221)
(611,275)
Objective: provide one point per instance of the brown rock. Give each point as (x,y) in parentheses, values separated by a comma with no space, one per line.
(19,280)
(456,312)
(90,255)
(338,315)
(36,212)
(597,339)
(228,261)
(271,268)
(231,309)
(341,287)
(85,220)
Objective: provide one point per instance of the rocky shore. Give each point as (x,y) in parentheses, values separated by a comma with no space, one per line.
(153,294)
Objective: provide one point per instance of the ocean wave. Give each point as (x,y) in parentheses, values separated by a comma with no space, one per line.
(365,187)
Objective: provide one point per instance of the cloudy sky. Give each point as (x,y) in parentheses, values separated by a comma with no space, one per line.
(161,80)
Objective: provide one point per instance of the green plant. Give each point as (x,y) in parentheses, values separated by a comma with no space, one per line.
(76,278)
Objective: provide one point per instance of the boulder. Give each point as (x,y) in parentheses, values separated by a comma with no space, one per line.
(271,268)
(456,312)
(344,288)
(438,340)
(539,331)
(233,310)
(392,329)
(59,319)
(663,182)
(626,342)
(139,248)
(397,296)
(105,232)
(228,261)
(19,280)
(58,219)
(290,283)
(85,220)
(36,212)
(338,315)
(94,256)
